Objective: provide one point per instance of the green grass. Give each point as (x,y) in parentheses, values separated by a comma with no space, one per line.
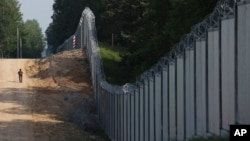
(110,54)
(115,72)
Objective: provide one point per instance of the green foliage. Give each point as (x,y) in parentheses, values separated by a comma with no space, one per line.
(65,20)
(33,42)
(123,18)
(10,20)
(164,25)
(116,73)
(146,28)
(109,54)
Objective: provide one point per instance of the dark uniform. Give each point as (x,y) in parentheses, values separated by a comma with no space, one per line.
(20,74)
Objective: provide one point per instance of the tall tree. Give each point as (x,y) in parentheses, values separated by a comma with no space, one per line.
(164,24)
(65,20)
(148,28)
(122,18)
(33,42)
(10,20)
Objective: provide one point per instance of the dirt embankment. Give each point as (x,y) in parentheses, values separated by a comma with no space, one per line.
(63,106)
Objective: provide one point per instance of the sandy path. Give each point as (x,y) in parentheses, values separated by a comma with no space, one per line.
(52,88)
(15,101)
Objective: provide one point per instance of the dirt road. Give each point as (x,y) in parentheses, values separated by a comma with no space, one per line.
(54,103)
(15,100)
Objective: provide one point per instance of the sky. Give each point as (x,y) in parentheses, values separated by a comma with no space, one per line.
(41,10)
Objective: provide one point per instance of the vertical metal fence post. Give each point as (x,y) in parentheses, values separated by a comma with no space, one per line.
(151,109)
(172,101)
(107,113)
(119,117)
(165,104)
(112,115)
(193,95)
(200,51)
(116,117)
(213,81)
(132,100)
(158,106)
(137,114)
(125,119)
(99,104)
(141,111)
(180,97)
(100,110)
(189,93)
(106,110)
(122,116)
(146,110)
(81,39)
(243,67)
(129,118)
(227,73)
(103,109)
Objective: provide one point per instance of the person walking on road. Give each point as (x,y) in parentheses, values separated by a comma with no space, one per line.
(20,74)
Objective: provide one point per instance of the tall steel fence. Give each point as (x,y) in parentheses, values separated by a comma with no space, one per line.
(198,89)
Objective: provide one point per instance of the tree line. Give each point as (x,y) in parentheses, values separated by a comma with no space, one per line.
(146,28)
(11,24)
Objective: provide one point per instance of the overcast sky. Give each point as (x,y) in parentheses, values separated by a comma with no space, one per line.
(41,10)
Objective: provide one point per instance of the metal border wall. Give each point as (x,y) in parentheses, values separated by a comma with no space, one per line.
(199,88)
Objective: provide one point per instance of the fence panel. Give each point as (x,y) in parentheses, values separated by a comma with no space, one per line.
(122,116)
(203,91)
(137,115)
(141,105)
(129,117)
(146,110)
(151,110)
(101,109)
(213,82)
(110,114)
(98,103)
(113,117)
(189,93)
(172,101)
(165,104)
(201,83)
(228,72)
(243,65)
(116,117)
(132,108)
(180,97)
(119,117)
(158,106)
(125,115)
(106,107)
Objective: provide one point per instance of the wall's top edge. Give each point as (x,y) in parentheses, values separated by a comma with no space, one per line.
(227,17)
(243,2)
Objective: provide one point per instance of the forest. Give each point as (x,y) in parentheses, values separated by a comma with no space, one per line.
(14,31)
(146,29)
